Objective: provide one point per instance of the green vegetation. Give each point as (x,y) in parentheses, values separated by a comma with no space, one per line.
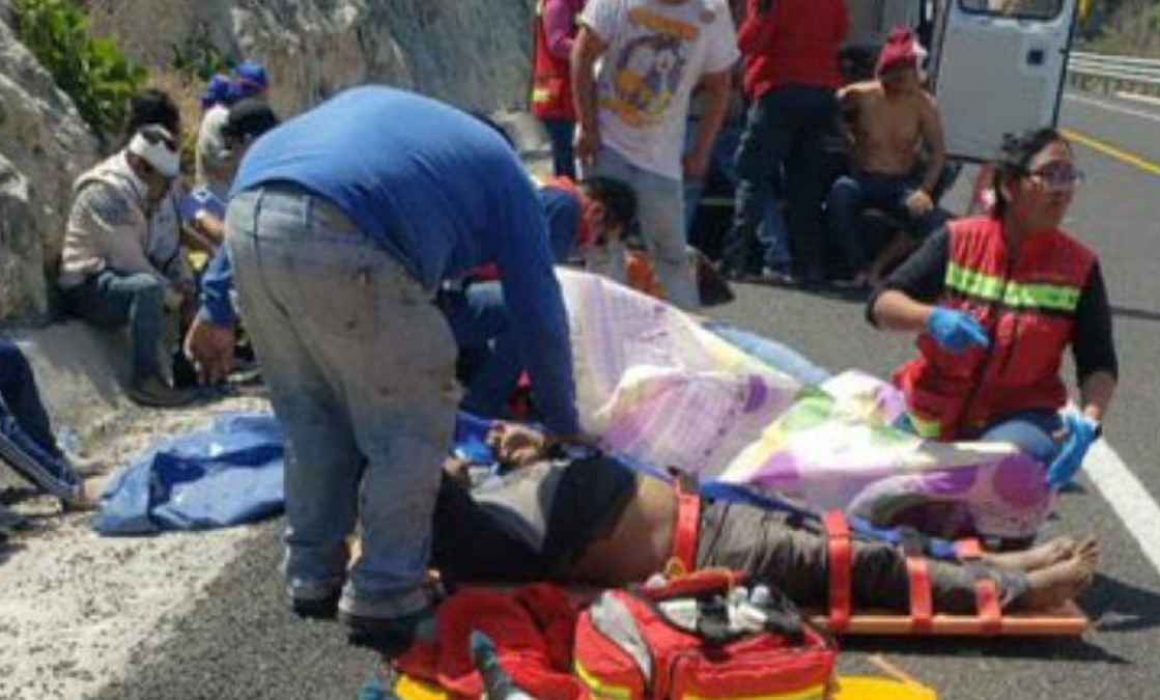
(1130,27)
(94,72)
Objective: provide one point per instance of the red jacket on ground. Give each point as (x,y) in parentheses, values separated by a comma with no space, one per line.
(1028,307)
(795,43)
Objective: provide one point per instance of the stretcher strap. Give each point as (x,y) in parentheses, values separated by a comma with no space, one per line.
(921,600)
(841,560)
(969,549)
(688,524)
(990,612)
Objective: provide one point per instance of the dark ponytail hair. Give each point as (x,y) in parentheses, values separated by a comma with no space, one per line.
(1015,158)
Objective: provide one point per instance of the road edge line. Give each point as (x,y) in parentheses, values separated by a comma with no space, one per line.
(1124,492)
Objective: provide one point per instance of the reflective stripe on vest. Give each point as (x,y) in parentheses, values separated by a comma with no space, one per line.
(1012,294)
(599,688)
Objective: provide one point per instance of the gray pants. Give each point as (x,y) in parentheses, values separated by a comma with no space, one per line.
(796,561)
(360,366)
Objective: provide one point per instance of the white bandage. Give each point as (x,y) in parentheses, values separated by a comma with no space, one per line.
(163,159)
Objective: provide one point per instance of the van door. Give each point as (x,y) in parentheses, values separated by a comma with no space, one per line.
(998,68)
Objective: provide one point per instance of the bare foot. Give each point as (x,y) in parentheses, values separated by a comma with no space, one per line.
(1056,584)
(1046,554)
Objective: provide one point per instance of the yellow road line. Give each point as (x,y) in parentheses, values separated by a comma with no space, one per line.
(1109,150)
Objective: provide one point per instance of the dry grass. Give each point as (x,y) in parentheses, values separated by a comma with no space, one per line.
(186,92)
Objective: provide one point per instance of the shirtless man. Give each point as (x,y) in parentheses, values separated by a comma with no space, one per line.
(586,518)
(892,119)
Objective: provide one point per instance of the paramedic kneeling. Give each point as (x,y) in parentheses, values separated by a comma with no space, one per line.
(997,299)
(342,224)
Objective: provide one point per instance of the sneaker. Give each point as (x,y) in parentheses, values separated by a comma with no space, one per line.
(770,275)
(316,608)
(391,637)
(155,393)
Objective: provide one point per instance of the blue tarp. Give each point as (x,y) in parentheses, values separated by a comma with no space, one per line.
(228,474)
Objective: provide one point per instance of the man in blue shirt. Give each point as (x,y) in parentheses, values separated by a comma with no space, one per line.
(342,224)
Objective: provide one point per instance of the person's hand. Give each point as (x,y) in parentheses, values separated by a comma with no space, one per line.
(919,203)
(696,165)
(956,330)
(515,444)
(211,348)
(1080,432)
(587,145)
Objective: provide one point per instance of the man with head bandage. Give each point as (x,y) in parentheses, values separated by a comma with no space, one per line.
(112,273)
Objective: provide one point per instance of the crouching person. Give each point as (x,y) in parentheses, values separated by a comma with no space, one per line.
(342,224)
(123,263)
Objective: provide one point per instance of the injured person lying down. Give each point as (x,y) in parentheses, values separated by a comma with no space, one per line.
(573,515)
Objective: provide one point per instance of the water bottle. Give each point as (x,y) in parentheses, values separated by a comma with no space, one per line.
(497,684)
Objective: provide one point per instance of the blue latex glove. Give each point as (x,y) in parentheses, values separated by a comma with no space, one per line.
(956,330)
(1081,433)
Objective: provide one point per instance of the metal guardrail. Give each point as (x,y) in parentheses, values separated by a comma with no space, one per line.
(1110,74)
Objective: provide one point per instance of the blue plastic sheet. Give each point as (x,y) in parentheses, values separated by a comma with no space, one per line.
(228,474)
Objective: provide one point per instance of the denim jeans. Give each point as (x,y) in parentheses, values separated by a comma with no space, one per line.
(360,366)
(850,195)
(480,321)
(110,299)
(26,440)
(784,132)
(771,235)
(660,202)
(1031,431)
(561,132)
(780,357)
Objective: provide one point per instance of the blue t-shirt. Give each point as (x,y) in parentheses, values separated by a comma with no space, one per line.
(442,193)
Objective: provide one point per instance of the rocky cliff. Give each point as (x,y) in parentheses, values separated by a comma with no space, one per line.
(474,53)
(44,145)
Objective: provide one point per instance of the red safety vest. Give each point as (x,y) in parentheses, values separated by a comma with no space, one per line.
(1028,307)
(552,77)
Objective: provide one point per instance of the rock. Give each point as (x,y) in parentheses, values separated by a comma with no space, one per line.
(473,53)
(44,145)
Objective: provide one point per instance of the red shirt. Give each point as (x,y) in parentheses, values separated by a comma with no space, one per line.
(796,43)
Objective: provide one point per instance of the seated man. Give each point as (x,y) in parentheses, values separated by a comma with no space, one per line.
(26,440)
(890,120)
(590,519)
(123,264)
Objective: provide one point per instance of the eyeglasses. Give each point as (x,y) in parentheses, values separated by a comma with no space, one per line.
(1058,176)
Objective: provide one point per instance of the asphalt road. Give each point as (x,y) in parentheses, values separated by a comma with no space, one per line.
(240,643)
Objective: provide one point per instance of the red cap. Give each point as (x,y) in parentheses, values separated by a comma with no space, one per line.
(901,50)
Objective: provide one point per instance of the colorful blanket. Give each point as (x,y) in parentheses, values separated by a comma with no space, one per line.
(658,387)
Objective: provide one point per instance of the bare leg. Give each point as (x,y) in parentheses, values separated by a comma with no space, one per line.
(1052,586)
(1046,554)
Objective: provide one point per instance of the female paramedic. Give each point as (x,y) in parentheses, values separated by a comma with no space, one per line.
(996,301)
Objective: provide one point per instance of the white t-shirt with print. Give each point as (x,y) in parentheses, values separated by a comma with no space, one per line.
(657,53)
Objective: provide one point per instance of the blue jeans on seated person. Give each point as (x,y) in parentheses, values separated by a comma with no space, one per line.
(111,299)
(360,366)
(850,195)
(1031,431)
(26,440)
